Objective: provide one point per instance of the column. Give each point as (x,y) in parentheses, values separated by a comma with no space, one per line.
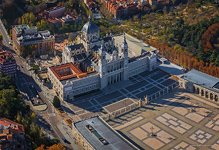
(111,79)
(118,77)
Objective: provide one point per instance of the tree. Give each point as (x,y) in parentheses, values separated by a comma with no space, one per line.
(217,60)
(5,81)
(56,102)
(56,147)
(28,18)
(41,147)
(53,147)
(42,25)
(35,68)
(213,56)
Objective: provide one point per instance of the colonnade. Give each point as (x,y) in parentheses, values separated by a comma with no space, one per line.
(211,95)
(115,78)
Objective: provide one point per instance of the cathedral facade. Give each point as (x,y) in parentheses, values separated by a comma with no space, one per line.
(95,63)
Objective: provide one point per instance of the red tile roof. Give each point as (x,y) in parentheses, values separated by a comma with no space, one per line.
(5,55)
(11,124)
(67,71)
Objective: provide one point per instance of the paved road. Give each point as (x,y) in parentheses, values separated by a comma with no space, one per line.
(49,115)
(3,31)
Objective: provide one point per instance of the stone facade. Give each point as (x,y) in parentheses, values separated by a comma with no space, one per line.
(31,41)
(109,63)
(208,93)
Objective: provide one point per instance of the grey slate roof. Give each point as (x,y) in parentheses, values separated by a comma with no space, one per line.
(103,130)
(135,46)
(108,38)
(90,27)
(75,46)
(202,79)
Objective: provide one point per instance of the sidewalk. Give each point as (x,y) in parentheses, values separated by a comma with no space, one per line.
(202,100)
(65,130)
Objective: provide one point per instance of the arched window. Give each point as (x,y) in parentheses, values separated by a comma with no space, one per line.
(211,96)
(202,92)
(206,94)
(216,98)
(197,91)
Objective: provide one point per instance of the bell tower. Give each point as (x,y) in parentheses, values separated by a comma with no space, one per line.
(102,67)
(124,48)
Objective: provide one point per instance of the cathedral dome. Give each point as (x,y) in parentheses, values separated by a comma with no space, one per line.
(90,27)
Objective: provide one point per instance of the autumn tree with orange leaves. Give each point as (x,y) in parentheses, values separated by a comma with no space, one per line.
(180,56)
(53,147)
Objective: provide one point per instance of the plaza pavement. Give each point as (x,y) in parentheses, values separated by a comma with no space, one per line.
(176,121)
(137,87)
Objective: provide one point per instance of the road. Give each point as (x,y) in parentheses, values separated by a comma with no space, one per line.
(3,31)
(25,81)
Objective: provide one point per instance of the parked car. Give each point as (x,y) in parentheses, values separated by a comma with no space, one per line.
(66,141)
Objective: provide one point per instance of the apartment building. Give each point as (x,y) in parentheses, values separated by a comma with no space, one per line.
(8,64)
(29,41)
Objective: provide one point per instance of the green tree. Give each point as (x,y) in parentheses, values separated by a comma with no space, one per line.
(42,25)
(213,56)
(56,102)
(5,81)
(217,60)
(28,18)
(35,68)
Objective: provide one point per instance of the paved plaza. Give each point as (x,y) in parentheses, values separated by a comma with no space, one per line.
(178,121)
(137,87)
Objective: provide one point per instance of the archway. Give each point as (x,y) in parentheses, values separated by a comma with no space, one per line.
(216,98)
(211,96)
(206,94)
(202,92)
(197,90)
(194,89)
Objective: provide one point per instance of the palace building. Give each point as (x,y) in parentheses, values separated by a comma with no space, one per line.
(202,84)
(95,63)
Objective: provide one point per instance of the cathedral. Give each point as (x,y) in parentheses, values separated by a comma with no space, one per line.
(96,62)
